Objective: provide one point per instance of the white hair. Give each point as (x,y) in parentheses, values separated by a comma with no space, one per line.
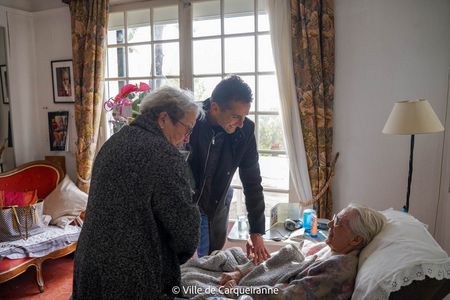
(365,222)
(174,101)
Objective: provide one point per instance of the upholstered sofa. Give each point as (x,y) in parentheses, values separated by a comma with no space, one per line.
(44,177)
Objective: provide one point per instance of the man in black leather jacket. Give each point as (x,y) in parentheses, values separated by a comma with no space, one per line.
(220,143)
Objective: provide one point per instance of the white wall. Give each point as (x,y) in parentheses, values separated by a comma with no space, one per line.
(22,84)
(388,51)
(8,155)
(443,220)
(53,42)
(37,39)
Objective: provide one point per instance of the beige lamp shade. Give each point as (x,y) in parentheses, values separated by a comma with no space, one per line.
(412,117)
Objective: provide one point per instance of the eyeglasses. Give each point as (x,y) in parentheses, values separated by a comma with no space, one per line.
(188,128)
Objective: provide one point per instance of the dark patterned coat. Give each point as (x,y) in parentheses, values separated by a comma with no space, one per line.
(141,223)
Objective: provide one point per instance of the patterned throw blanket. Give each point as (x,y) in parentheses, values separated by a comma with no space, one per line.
(204,273)
(318,276)
(52,239)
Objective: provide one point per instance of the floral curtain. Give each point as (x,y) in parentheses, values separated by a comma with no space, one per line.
(89,27)
(312,24)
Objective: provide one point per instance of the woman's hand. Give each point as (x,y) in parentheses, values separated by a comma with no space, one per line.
(230,276)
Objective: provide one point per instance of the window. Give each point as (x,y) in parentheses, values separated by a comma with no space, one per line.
(161,45)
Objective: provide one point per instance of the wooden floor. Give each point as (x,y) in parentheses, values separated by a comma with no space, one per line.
(58,276)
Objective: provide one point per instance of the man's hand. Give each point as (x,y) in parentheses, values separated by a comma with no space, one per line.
(256,248)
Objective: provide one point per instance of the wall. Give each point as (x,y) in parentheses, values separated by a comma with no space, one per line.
(443,220)
(22,85)
(8,152)
(38,38)
(388,51)
(53,42)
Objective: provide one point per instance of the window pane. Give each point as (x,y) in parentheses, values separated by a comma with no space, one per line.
(270,133)
(250,80)
(116,62)
(240,54)
(140,62)
(237,205)
(167,59)
(238,16)
(139,29)
(207,57)
(204,86)
(274,171)
(206,18)
(265,56)
(158,82)
(116,28)
(263,18)
(113,88)
(138,81)
(166,22)
(272,199)
(268,98)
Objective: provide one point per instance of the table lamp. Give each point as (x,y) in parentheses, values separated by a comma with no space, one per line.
(411,118)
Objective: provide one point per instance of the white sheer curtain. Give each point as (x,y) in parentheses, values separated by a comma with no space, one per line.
(280,32)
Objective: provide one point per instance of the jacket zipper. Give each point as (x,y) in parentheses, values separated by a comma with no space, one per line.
(213,141)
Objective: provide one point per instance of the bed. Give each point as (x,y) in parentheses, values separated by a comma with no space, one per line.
(402,262)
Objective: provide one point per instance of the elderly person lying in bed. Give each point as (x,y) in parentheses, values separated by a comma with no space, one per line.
(317,271)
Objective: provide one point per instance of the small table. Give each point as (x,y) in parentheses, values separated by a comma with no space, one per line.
(277,235)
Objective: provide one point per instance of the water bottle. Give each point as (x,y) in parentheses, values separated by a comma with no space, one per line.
(313,232)
(242,226)
(307,220)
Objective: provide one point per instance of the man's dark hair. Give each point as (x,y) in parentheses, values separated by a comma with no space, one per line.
(230,89)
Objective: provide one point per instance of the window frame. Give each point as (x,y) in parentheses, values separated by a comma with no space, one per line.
(186,74)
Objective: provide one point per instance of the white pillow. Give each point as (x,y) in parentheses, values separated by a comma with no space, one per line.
(402,252)
(65,203)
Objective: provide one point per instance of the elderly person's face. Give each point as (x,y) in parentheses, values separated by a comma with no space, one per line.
(177,133)
(341,239)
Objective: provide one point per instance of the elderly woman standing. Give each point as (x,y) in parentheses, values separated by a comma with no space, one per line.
(140,222)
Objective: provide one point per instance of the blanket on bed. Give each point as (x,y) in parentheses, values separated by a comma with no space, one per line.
(318,276)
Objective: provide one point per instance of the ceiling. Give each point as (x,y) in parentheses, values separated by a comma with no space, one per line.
(38,5)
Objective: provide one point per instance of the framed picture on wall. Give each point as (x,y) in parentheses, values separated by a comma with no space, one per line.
(62,80)
(4,84)
(58,129)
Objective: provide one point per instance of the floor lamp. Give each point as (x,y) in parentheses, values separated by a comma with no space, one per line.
(411,118)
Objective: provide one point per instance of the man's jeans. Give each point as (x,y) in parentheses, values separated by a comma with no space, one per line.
(203,246)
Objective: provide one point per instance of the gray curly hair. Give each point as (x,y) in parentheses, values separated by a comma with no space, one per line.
(174,101)
(365,222)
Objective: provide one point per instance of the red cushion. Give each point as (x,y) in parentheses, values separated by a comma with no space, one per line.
(10,198)
(40,177)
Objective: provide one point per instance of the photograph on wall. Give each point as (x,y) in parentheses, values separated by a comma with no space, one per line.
(62,79)
(58,130)
(4,84)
